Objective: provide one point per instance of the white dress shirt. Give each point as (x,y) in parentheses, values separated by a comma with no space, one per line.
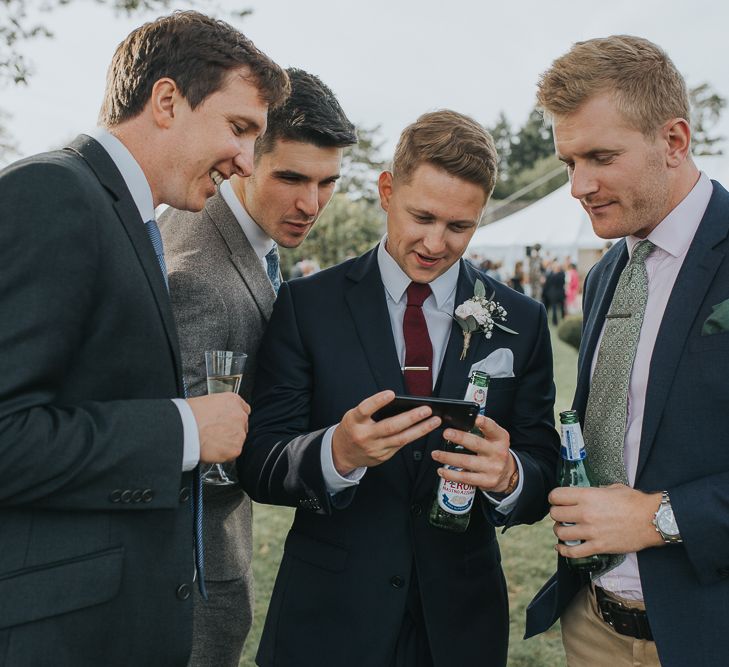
(261,242)
(141,193)
(672,238)
(438,310)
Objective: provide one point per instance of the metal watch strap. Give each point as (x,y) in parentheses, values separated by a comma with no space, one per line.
(668,539)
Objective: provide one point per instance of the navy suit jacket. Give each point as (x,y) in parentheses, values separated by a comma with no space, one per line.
(96,539)
(342,588)
(684,449)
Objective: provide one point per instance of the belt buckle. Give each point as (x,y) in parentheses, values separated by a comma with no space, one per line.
(637,627)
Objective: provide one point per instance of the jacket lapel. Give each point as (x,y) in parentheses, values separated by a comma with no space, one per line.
(108,174)
(242,255)
(693,281)
(368,308)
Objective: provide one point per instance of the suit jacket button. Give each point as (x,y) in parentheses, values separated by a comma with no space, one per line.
(115,495)
(126,496)
(136,495)
(397,582)
(723,572)
(147,495)
(416,509)
(183,592)
(184,494)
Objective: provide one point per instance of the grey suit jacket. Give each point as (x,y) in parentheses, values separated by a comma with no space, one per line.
(222,299)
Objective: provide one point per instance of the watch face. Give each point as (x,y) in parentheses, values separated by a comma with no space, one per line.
(666,522)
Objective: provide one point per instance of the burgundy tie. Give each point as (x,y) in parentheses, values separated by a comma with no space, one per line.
(418,349)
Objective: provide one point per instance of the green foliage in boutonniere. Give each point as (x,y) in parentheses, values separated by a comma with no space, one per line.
(480,314)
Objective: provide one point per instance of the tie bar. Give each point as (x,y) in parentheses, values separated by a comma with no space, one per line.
(415,368)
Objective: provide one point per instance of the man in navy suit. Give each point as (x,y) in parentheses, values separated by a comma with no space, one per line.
(652,383)
(97,445)
(365,580)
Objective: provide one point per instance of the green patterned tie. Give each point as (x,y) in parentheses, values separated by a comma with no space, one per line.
(607,404)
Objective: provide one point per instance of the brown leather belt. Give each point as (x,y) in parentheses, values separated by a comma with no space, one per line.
(624,620)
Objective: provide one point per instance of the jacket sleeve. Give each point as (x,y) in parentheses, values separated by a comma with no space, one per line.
(280,463)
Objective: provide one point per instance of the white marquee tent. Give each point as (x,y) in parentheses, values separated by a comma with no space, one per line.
(557,222)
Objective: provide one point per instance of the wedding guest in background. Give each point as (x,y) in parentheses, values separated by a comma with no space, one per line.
(98,447)
(554,291)
(516,282)
(572,289)
(652,388)
(224,275)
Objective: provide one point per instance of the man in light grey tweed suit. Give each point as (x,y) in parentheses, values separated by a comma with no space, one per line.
(223,271)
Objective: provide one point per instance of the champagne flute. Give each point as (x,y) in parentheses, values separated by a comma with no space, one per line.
(224,373)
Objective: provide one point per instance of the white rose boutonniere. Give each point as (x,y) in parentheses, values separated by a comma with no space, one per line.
(480,314)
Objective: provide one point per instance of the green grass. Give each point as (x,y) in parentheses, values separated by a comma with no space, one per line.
(527,554)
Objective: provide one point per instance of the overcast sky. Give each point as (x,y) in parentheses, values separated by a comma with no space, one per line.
(387,60)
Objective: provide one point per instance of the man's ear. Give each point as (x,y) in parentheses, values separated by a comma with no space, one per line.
(163,101)
(384,185)
(677,135)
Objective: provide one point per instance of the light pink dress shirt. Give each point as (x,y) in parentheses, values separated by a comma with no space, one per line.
(672,238)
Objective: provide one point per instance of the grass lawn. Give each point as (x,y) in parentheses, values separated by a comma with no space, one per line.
(527,554)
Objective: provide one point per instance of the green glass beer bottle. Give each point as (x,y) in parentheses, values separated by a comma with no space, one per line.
(575,471)
(451,509)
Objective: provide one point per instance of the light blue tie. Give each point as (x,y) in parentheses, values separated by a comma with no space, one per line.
(272,268)
(197,490)
(159,250)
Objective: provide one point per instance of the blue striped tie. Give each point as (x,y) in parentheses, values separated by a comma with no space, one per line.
(272,268)
(159,250)
(197,498)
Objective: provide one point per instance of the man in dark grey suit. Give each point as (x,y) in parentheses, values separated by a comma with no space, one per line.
(96,527)
(223,264)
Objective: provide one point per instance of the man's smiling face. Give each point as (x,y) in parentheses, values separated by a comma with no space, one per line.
(431,218)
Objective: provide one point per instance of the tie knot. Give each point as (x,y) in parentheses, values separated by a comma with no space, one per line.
(641,251)
(418,293)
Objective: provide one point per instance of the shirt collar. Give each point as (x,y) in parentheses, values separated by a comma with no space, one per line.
(676,231)
(396,281)
(130,171)
(261,242)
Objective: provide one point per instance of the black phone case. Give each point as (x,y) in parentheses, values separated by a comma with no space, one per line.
(454,414)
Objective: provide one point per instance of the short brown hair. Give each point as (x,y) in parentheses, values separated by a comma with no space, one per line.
(195,51)
(451,141)
(644,82)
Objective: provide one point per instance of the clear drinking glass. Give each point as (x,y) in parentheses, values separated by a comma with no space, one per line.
(224,373)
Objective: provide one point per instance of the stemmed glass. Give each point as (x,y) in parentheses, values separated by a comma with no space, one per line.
(224,373)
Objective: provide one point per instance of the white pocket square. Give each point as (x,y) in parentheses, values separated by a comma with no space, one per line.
(499,364)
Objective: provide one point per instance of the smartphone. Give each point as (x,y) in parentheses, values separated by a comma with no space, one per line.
(454,414)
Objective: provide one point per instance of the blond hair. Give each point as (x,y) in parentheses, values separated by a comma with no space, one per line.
(451,141)
(645,84)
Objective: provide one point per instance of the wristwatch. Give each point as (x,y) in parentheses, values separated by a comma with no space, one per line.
(665,521)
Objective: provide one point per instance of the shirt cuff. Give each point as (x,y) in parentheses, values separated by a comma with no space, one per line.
(505,505)
(333,480)
(191,442)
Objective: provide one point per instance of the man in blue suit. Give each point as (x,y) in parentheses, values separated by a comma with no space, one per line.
(652,383)
(365,580)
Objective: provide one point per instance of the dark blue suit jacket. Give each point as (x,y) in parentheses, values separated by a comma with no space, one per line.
(342,588)
(684,449)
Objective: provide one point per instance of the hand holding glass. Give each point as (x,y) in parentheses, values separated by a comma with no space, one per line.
(224,372)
